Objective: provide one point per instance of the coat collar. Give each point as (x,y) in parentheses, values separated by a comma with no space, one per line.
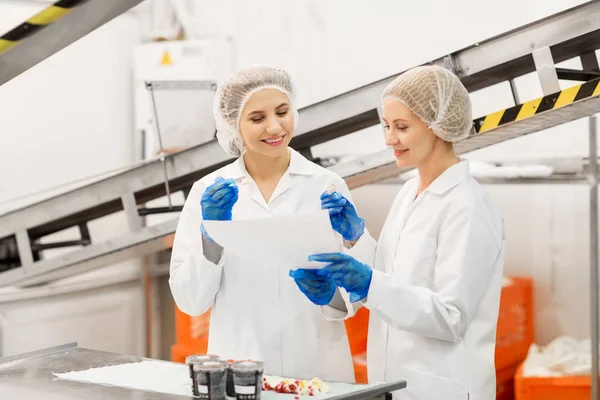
(298,166)
(450,178)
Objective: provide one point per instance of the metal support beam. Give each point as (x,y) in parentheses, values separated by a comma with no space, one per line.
(594,275)
(58,245)
(134,222)
(544,64)
(379,166)
(138,244)
(589,61)
(553,110)
(24,246)
(45,42)
(380,116)
(85,232)
(515,93)
(104,197)
(451,64)
(577,75)
(484,64)
(159,210)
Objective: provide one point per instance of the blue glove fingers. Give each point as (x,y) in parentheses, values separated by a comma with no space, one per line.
(220,209)
(333,268)
(334,203)
(320,298)
(219,184)
(314,286)
(332,207)
(230,203)
(219,194)
(225,200)
(326,271)
(334,211)
(334,196)
(225,203)
(330,257)
(303,273)
(208,196)
(338,274)
(224,191)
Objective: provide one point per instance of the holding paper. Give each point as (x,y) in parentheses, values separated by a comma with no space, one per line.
(245,226)
(285,240)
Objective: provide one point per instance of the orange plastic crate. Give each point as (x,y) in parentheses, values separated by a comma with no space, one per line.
(191,331)
(357,329)
(513,337)
(360,368)
(506,391)
(505,388)
(515,330)
(552,388)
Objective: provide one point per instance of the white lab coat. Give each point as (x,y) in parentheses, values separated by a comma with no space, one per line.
(258,312)
(435,291)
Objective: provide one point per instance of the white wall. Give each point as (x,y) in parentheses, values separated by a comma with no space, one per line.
(71,115)
(102,315)
(67,118)
(329,47)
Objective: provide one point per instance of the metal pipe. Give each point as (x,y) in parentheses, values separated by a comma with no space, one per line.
(159,210)
(162,150)
(594,296)
(515,93)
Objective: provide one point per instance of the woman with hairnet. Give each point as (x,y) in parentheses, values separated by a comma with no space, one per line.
(257,311)
(434,289)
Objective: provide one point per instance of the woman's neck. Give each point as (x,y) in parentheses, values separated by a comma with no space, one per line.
(262,168)
(441,158)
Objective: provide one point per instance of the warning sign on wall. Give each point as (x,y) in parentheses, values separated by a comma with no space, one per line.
(166,59)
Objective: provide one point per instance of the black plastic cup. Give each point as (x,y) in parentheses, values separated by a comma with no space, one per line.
(211,377)
(230,387)
(195,358)
(247,379)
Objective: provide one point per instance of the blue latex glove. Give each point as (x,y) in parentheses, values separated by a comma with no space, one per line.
(343,216)
(347,272)
(319,289)
(218,200)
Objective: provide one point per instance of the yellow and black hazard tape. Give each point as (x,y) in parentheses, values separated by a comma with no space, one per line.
(37,22)
(537,106)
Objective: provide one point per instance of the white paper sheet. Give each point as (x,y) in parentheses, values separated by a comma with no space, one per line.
(173,378)
(282,240)
(155,376)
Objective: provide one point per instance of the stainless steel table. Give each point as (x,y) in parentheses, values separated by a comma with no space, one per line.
(30,376)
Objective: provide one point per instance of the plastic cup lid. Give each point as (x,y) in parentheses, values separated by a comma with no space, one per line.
(210,365)
(200,357)
(247,365)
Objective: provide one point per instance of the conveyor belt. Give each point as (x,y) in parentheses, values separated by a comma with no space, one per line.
(576,102)
(144,183)
(480,65)
(53,29)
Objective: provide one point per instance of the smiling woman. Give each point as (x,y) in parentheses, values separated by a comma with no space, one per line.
(257,310)
(433,286)
(267,119)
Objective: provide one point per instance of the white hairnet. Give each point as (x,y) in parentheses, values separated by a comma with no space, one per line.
(437,97)
(233,94)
